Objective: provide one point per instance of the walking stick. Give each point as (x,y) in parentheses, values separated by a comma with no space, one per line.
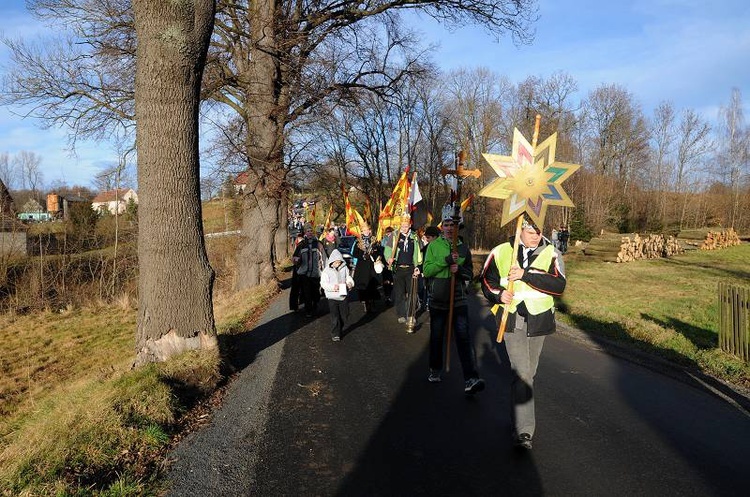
(411,311)
(459,173)
(516,243)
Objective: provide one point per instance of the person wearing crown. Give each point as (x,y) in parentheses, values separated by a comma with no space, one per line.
(442,263)
(539,273)
(366,251)
(404,257)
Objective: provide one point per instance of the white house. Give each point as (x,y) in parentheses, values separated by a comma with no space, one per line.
(114,201)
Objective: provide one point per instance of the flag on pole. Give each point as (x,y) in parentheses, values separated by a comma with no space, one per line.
(467,202)
(327,224)
(368,210)
(390,214)
(392,204)
(417,207)
(352,217)
(312,214)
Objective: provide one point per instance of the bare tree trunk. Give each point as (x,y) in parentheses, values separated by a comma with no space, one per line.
(175,309)
(264,205)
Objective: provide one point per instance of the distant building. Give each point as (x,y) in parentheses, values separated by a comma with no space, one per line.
(35,216)
(58,206)
(114,201)
(32,205)
(33,211)
(240,182)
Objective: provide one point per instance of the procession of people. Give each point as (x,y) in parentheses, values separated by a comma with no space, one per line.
(426,272)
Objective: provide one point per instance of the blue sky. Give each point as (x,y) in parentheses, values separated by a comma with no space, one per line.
(691,52)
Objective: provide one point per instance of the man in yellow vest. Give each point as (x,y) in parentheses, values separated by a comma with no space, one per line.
(538,272)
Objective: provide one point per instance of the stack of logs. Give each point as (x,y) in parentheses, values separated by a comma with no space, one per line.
(710,239)
(631,246)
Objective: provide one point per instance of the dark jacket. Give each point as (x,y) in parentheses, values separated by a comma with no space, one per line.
(310,253)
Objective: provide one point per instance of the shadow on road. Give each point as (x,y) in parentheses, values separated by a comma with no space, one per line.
(359,417)
(698,424)
(435,441)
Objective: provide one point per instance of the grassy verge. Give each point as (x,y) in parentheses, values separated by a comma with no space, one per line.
(76,419)
(666,306)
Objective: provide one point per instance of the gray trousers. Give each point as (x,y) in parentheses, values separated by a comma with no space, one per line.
(523,352)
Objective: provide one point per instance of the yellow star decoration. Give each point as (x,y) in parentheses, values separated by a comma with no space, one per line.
(529,180)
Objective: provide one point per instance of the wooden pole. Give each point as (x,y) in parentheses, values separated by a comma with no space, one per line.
(516,243)
(459,173)
(454,248)
(506,309)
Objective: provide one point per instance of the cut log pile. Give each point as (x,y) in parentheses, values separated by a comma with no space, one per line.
(710,239)
(631,247)
(720,239)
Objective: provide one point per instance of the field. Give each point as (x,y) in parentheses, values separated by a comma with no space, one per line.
(668,306)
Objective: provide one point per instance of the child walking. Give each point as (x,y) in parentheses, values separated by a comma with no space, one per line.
(336,282)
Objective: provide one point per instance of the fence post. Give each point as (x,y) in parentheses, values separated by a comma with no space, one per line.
(734,319)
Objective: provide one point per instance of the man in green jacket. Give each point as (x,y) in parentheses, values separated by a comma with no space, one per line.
(442,261)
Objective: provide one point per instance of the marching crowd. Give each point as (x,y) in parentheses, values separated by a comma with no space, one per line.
(431,271)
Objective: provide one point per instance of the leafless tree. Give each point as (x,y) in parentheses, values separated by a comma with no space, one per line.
(28,167)
(7,171)
(664,137)
(692,146)
(286,59)
(82,78)
(734,155)
(474,113)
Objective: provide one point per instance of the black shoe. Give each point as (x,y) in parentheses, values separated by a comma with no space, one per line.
(473,385)
(523,441)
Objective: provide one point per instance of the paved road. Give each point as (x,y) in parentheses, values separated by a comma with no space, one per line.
(358,418)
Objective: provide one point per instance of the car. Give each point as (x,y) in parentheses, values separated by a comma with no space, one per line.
(345,247)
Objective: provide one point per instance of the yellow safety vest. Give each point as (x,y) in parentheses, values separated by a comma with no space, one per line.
(536,301)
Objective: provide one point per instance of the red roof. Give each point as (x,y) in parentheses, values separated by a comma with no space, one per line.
(241,178)
(111,195)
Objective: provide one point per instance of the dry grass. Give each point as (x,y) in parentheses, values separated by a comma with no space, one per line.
(76,419)
(220,215)
(43,350)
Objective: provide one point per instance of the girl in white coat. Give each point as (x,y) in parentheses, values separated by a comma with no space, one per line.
(336,282)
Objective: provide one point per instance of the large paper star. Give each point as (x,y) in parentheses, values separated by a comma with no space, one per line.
(529,180)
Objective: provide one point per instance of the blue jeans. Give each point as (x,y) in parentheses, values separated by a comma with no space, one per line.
(438,327)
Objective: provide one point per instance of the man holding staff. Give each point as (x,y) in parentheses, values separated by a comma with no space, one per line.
(404,257)
(442,260)
(537,273)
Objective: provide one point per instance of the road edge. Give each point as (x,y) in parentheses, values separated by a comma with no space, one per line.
(734,395)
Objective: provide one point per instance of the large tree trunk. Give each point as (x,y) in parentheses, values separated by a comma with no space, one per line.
(264,206)
(175,310)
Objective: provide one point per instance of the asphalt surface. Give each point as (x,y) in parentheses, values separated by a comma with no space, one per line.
(307,416)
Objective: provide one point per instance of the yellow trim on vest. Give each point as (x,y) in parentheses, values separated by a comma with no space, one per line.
(536,302)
